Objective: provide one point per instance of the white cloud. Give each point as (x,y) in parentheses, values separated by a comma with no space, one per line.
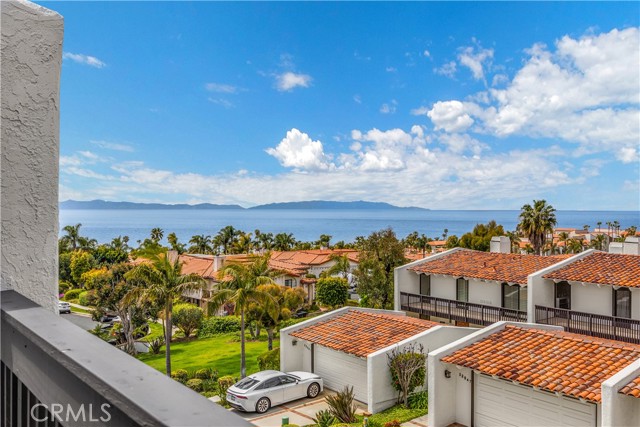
(297,150)
(92,61)
(222,102)
(474,59)
(289,80)
(584,92)
(391,69)
(447,70)
(420,111)
(389,108)
(451,116)
(357,99)
(426,53)
(113,146)
(221,88)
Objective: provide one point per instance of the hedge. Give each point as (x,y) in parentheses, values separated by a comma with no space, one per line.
(269,360)
(216,325)
(72,294)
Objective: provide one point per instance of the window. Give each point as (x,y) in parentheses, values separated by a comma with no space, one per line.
(563,295)
(246,383)
(462,290)
(285,379)
(425,285)
(622,302)
(270,383)
(289,283)
(514,297)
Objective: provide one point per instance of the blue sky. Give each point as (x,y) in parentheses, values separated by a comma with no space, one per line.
(442,105)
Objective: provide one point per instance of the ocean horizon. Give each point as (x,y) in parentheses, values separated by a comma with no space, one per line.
(308,225)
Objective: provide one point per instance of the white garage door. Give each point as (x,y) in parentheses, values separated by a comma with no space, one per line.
(502,403)
(338,369)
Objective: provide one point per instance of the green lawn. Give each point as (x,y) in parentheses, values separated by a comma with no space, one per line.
(80,310)
(221,353)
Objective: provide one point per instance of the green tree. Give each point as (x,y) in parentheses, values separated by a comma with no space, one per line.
(162,282)
(408,369)
(514,238)
(480,238)
(187,318)
(200,244)
(341,268)
(536,222)
(380,254)
(243,244)
(226,237)
(265,241)
(288,301)
(175,245)
(332,291)
(72,236)
(81,262)
(157,234)
(323,241)
(284,242)
(107,255)
(239,284)
(452,242)
(64,267)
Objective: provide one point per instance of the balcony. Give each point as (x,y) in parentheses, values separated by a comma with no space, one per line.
(452,310)
(54,373)
(595,325)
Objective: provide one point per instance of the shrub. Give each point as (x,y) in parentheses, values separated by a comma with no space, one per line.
(72,294)
(352,303)
(269,360)
(155,345)
(332,291)
(204,374)
(223,384)
(408,369)
(64,286)
(342,405)
(324,418)
(419,400)
(187,318)
(180,375)
(195,384)
(210,386)
(216,325)
(87,298)
(392,423)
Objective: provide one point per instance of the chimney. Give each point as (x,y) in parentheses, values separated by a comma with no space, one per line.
(500,244)
(218,261)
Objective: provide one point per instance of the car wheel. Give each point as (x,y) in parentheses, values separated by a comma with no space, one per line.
(313,390)
(263,405)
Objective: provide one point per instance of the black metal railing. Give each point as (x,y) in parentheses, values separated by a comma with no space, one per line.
(53,373)
(595,325)
(478,314)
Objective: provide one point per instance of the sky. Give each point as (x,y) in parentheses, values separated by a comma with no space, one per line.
(449,105)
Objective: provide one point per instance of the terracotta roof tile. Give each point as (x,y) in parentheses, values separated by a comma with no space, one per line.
(633,388)
(601,268)
(571,364)
(511,268)
(361,333)
(296,263)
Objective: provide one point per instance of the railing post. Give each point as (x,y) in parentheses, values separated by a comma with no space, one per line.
(482,315)
(615,331)
(449,309)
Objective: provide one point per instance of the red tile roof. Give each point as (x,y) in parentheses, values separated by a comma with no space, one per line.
(601,268)
(571,364)
(633,388)
(362,333)
(296,263)
(511,268)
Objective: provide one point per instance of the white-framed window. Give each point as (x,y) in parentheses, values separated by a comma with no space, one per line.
(622,303)
(462,290)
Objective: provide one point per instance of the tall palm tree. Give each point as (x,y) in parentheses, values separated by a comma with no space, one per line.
(225,238)
(162,282)
(284,242)
(200,244)
(266,241)
(514,237)
(239,284)
(157,234)
(563,236)
(536,222)
(72,238)
(598,242)
(243,244)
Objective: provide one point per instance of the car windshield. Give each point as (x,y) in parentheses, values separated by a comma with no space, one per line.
(246,383)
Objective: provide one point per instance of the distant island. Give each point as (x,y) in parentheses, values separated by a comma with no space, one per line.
(312,204)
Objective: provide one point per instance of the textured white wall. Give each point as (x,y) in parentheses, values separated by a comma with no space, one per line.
(31,60)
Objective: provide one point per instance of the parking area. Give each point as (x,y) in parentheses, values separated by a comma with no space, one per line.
(300,412)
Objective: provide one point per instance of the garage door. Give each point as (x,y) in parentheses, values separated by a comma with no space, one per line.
(502,403)
(338,369)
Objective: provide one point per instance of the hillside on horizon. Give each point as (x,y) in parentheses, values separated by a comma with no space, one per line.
(312,204)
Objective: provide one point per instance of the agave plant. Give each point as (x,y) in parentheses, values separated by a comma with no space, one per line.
(342,405)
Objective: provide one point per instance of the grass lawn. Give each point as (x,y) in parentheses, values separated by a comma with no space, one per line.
(156,332)
(221,353)
(398,412)
(80,310)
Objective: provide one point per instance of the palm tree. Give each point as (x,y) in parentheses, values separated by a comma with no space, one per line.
(514,237)
(422,243)
(342,266)
(200,244)
(239,285)
(284,242)
(243,244)
(599,224)
(163,282)
(563,237)
(598,242)
(157,234)
(172,238)
(225,237)
(574,246)
(323,241)
(73,235)
(266,241)
(536,222)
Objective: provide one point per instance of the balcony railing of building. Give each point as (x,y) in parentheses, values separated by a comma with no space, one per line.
(460,311)
(55,374)
(595,325)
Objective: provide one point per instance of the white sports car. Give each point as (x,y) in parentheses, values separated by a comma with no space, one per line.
(261,391)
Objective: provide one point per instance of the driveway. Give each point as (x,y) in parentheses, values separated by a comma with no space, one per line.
(300,412)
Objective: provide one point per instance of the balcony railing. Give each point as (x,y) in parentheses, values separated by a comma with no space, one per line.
(452,310)
(55,374)
(595,325)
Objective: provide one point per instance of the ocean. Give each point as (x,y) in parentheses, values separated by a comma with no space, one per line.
(308,225)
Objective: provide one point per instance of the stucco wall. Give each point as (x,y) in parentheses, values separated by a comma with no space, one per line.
(592,299)
(31,60)
(443,287)
(381,394)
(620,410)
(487,293)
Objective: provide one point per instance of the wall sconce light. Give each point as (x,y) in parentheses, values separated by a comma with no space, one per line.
(447,373)
(294,342)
